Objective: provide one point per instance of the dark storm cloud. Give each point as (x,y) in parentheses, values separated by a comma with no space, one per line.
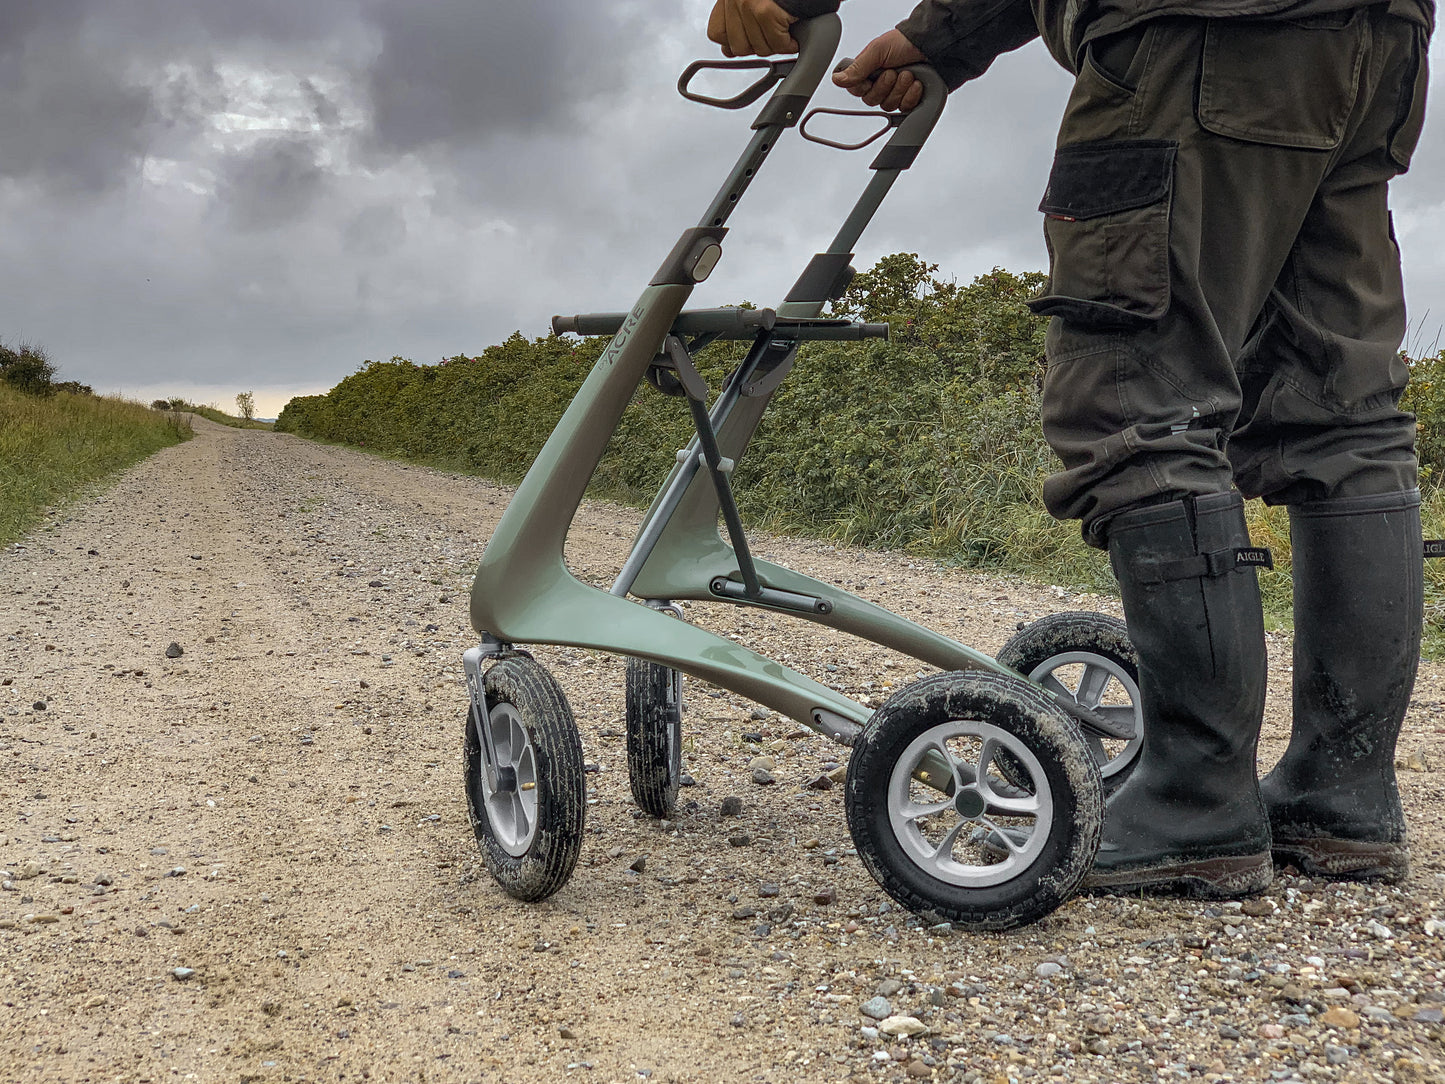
(275,190)
(65,118)
(272,183)
(455,70)
(88,88)
(78,131)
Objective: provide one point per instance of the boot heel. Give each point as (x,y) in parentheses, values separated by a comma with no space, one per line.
(1345,859)
(1204,878)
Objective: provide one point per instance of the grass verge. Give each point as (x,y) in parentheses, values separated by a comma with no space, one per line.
(52,447)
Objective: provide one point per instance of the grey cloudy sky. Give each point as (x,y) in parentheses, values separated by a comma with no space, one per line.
(202,197)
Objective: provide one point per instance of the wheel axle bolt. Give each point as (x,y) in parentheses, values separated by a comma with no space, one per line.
(969,803)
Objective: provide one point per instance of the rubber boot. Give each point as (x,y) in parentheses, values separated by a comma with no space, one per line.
(1189,819)
(1358,609)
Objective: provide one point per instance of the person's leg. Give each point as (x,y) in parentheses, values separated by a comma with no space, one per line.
(1333,805)
(1176,198)
(1189,817)
(1322,379)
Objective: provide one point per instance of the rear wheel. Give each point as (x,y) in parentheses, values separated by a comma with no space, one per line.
(528,807)
(1088,658)
(654,735)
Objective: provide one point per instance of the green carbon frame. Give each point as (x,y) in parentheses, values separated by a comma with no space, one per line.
(523,592)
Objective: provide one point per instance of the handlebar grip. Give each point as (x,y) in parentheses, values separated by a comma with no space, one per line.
(589,323)
(723,323)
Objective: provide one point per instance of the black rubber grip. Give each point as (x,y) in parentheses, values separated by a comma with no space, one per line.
(723,323)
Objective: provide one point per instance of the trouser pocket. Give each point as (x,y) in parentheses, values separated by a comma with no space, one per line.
(1287,84)
(1107,228)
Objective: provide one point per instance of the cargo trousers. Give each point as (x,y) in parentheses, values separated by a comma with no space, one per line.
(1224,275)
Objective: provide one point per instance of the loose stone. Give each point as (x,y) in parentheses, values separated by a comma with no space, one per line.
(899,1026)
(876,1007)
(1337,1017)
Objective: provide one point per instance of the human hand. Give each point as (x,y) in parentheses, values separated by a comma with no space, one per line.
(746,27)
(875,76)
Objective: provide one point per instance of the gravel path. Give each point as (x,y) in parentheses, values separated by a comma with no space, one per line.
(251,861)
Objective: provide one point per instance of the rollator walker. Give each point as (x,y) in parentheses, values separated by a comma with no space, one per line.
(974,796)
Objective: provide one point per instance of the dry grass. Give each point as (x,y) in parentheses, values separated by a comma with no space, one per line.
(52,447)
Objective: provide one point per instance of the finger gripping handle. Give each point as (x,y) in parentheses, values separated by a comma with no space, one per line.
(935,90)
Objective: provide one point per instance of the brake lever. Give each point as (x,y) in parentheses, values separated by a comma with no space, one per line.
(890,121)
(776,72)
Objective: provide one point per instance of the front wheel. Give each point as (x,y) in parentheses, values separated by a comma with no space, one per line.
(528,806)
(939,824)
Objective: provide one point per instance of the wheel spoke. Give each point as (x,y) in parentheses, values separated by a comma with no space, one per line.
(1026,806)
(1051,683)
(997,833)
(522,823)
(1014,805)
(518,748)
(958,772)
(944,851)
(1092,685)
(915,811)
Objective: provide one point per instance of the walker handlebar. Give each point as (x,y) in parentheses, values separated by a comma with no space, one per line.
(817,40)
(725,323)
(912,128)
(728,323)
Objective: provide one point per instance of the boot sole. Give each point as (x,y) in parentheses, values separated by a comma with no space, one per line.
(1205,878)
(1344,859)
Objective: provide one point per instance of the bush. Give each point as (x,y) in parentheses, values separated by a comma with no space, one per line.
(1425,398)
(929,442)
(27,368)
